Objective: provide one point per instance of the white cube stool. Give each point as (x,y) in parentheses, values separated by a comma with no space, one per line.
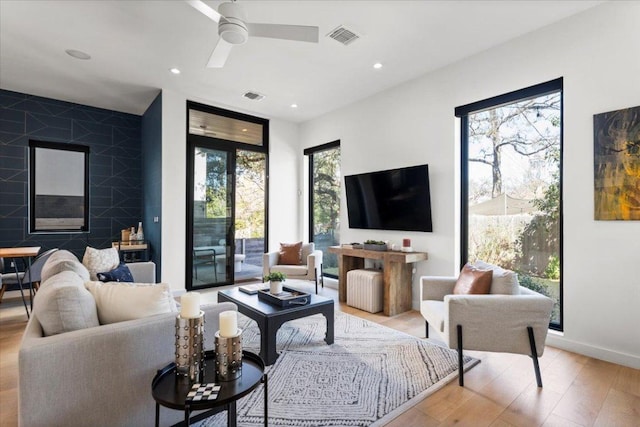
(365,290)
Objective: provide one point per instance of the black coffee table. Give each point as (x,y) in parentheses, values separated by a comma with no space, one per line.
(270,317)
(170,390)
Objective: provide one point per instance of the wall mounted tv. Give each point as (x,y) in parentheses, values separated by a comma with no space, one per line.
(395,199)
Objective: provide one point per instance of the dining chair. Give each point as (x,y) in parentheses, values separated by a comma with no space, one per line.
(32,275)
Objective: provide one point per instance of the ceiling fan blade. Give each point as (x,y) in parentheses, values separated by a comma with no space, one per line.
(220,54)
(204,9)
(299,33)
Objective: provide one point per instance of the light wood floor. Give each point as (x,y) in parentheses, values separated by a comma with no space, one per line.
(500,391)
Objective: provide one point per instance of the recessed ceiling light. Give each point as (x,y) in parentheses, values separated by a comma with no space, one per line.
(175,71)
(78,54)
(294,105)
(244,130)
(377,65)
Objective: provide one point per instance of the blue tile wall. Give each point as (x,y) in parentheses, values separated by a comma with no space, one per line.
(115,164)
(152,179)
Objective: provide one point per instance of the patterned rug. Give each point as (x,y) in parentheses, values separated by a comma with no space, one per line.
(370,375)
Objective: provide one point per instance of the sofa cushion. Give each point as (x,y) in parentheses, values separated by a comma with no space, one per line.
(63,304)
(62,254)
(503,281)
(97,260)
(290,253)
(473,281)
(119,274)
(120,301)
(54,266)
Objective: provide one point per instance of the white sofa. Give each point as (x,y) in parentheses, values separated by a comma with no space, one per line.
(99,376)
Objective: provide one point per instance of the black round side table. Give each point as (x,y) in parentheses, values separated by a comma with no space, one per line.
(170,390)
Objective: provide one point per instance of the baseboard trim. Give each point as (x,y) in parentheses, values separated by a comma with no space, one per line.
(561,342)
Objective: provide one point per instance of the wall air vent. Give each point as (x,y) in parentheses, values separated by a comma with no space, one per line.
(343,35)
(254,96)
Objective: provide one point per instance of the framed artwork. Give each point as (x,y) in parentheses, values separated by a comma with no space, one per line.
(617,164)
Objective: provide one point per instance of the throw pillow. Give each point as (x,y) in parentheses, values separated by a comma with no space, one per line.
(119,274)
(473,281)
(503,282)
(118,302)
(290,253)
(64,305)
(100,260)
(60,264)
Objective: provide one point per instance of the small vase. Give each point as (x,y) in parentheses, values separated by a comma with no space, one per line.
(275,287)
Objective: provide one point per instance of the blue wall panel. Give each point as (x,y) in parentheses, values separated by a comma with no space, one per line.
(152,178)
(115,191)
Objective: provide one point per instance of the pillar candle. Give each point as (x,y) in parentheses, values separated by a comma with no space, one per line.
(190,305)
(228,324)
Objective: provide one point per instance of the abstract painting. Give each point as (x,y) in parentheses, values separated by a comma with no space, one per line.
(617,164)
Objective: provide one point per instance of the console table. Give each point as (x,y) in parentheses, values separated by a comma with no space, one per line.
(397,274)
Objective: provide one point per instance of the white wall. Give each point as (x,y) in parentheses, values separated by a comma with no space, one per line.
(285,186)
(283,196)
(597,53)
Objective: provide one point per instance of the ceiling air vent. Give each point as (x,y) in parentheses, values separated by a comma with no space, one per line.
(254,96)
(343,35)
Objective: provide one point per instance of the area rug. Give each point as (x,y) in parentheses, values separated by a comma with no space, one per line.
(370,375)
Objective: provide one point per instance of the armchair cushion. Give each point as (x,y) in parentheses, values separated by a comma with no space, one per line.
(290,253)
(504,281)
(473,281)
(290,270)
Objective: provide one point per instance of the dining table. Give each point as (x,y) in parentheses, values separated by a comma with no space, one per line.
(26,253)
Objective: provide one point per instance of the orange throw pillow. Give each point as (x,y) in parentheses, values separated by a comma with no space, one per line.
(473,281)
(290,253)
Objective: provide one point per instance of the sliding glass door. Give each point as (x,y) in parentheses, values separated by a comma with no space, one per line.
(226,196)
(250,209)
(212,216)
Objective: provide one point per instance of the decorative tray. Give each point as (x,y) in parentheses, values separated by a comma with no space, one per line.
(287,298)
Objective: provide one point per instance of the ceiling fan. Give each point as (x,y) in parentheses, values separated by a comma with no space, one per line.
(234,29)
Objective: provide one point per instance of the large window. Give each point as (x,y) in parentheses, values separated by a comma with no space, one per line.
(511,186)
(58,187)
(324,202)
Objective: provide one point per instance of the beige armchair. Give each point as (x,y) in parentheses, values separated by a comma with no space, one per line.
(497,322)
(309,267)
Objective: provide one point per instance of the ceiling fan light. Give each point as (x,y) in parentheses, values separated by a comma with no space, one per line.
(233,32)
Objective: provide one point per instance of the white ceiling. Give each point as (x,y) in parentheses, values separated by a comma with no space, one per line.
(133,44)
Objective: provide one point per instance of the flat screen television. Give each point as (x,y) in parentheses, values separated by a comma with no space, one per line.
(395,199)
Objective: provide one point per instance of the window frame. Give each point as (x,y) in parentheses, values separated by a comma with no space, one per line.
(310,152)
(463,112)
(61,146)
